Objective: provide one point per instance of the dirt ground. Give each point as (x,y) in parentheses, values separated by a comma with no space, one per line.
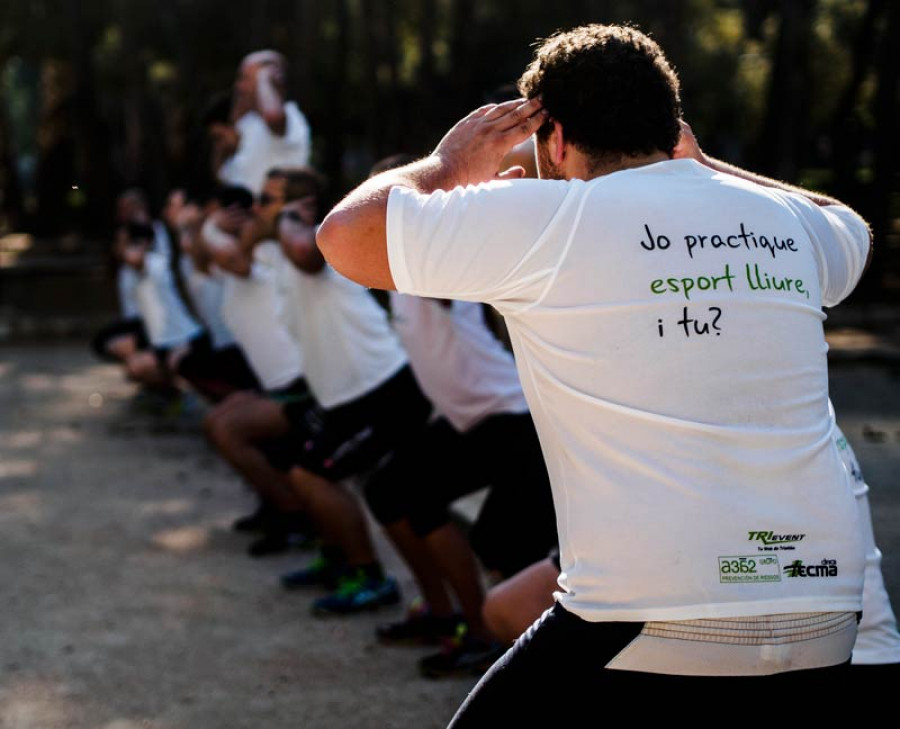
(129,604)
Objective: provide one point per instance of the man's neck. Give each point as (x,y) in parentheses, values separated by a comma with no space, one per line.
(585,168)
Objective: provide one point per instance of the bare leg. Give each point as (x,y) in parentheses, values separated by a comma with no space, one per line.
(337,514)
(122,347)
(425,570)
(457,563)
(513,605)
(144,368)
(236,428)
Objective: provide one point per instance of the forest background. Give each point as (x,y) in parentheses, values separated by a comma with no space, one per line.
(99,95)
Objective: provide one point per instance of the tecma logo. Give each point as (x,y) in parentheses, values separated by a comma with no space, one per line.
(826,568)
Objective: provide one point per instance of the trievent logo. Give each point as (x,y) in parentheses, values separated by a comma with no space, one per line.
(827,568)
(770,538)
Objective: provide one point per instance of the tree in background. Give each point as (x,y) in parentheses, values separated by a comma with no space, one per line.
(803,89)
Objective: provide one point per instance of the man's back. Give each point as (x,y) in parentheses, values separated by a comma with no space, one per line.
(674,362)
(667,325)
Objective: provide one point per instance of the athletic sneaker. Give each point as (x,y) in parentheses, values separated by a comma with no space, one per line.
(270,543)
(282,532)
(461,656)
(419,627)
(320,572)
(357,592)
(258,521)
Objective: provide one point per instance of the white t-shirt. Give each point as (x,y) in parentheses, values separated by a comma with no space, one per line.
(459,364)
(162,241)
(206,292)
(165,316)
(250,309)
(877,639)
(260,149)
(349,346)
(127,278)
(667,326)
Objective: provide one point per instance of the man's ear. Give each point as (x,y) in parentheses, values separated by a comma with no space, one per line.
(557,144)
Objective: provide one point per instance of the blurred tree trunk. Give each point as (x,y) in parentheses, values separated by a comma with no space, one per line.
(10,190)
(397,130)
(464,60)
(427,28)
(886,111)
(304,60)
(93,165)
(779,151)
(181,150)
(337,81)
(373,30)
(847,129)
(254,19)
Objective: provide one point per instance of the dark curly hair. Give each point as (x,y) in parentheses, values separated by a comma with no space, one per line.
(610,87)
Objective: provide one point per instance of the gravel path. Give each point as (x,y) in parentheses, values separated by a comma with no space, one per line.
(129,604)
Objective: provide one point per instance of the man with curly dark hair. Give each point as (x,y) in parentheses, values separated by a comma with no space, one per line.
(620,102)
(665,310)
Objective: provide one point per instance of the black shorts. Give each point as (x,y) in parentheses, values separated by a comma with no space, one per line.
(516,524)
(556,669)
(216,373)
(304,417)
(358,435)
(133,327)
(199,346)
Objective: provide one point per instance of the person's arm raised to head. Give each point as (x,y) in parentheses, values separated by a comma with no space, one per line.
(297,236)
(688,147)
(353,237)
(269,98)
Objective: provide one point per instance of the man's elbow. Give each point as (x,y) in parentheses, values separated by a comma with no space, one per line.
(333,240)
(347,246)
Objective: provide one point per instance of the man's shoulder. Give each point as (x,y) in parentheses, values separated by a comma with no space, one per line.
(487,205)
(516,190)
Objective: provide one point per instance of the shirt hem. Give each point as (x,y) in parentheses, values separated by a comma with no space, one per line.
(722,610)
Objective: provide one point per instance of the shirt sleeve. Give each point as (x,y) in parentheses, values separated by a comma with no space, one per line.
(840,241)
(486,242)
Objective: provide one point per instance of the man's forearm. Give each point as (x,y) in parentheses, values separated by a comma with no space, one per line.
(815,197)
(426,175)
(298,241)
(269,102)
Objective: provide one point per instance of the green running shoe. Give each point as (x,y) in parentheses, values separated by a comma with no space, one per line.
(357,592)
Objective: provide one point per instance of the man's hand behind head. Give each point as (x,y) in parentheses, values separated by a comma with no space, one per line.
(474,149)
(688,147)
(296,229)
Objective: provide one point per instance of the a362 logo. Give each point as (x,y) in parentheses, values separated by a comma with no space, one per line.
(740,565)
